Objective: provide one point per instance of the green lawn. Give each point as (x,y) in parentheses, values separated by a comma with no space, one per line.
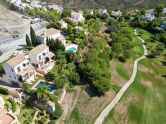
(150,107)
(75,118)
(26,114)
(137,49)
(144,34)
(4,97)
(123,73)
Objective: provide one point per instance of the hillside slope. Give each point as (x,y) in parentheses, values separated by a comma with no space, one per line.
(114,4)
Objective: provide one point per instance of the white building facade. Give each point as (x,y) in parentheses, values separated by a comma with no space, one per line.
(19,69)
(77,16)
(42,59)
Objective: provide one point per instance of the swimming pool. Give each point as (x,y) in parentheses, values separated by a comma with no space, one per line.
(50,86)
(71,49)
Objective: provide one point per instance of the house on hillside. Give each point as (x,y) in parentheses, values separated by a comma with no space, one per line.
(50,34)
(164,10)
(55,7)
(18,69)
(16,2)
(149,15)
(162,25)
(36,4)
(77,16)
(116,13)
(63,24)
(6,117)
(103,11)
(42,59)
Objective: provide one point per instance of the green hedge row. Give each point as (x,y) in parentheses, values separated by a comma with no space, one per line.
(3,91)
(12,103)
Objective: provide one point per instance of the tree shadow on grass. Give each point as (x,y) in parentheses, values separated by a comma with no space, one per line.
(92,92)
(164,76)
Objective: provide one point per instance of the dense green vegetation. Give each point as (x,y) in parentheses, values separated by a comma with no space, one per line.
(75,118)
(112,4)
(3,91)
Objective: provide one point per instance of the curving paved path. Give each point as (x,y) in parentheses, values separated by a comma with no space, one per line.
(111,105)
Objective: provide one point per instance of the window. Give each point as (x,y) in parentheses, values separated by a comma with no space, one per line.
(39,57)
(18,69)
(12,70)
(44,54)
(24,65)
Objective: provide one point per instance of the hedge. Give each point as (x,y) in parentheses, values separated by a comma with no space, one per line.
(13,104)
(3,91)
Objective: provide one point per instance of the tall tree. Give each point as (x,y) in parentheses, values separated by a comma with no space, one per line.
(33,37)
(159,9)
(42,92)
(28,41)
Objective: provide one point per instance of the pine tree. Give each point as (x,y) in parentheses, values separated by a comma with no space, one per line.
(33,37)
(28,41)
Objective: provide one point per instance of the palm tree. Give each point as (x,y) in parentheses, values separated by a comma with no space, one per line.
(43,92)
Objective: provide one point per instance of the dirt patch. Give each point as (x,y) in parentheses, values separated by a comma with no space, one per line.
(144,69)
(146,83)
(11,23)
(9,17)
(116,78)
(121,109)
(69,103)
(90,107)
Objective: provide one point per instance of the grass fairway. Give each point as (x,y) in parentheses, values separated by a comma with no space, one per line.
(26,114)
(123,73)
(75,118)
(144,34)
(154,107)
(144,102)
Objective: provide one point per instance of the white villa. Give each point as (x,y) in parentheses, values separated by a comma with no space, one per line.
(63,24)
(77,16)
(42,59)
(16,2)
(164,10)
(56,8)
(24,68)
(47,33)
(19,69)
(116,13)
(50,34)
(36,4)
(103,11)
(149,15)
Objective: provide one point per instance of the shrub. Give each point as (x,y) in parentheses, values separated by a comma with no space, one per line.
(3,91)
(1,53)
(58,111)
(12,103)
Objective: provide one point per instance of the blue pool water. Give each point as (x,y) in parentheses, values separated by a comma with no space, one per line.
(50,86)
(72,49)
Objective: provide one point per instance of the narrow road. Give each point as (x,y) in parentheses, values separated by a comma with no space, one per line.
(111,105)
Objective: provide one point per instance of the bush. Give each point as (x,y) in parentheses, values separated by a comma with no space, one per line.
(12,103)
(58,111)
(3,91)
(1,69)
(121,59)
(1,53)
(52,122)
(8,105)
